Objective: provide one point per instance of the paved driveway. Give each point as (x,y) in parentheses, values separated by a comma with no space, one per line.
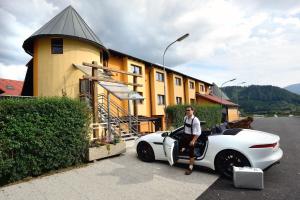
(122,177)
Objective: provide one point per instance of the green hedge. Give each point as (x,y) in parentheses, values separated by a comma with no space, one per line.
(209,113)
(38,135)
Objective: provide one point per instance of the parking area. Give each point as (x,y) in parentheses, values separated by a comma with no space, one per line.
(121,177)
(125,177)
(282,181)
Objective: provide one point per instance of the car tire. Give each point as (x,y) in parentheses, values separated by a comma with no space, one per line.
(145,152)
(225,160)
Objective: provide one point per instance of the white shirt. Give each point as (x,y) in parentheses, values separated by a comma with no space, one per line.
(196,125)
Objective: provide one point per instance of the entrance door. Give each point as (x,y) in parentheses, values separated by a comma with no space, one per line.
(158,123)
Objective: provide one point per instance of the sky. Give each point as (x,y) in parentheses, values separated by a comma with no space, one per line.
(254,41)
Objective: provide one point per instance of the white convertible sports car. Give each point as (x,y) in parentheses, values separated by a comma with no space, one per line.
(217,149)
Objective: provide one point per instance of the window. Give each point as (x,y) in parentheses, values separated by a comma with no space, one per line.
(161,99)
(201,88)
(159,76)
(10,87)
(192,101)
(141,101)
(178,100)
(57,46)
(136,69)
(85,91)
(177,81)
(192,86)
(85,87)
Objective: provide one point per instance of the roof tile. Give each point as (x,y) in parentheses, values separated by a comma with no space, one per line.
(217,99)
(10,87)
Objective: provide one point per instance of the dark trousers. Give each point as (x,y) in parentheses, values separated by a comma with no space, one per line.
(185,143)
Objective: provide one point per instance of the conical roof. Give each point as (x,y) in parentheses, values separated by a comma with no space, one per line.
(218,92)
(67,23)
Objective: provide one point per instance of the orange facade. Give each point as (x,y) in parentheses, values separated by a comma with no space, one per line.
(180,88)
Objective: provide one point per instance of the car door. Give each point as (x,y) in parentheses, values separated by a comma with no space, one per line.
(169,146)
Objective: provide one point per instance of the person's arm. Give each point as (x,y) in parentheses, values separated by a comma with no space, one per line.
(196,131)
(194,140)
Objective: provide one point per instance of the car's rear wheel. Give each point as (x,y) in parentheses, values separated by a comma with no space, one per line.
(225,161)
(145,152)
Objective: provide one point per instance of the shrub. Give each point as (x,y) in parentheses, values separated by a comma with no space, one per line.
(209,113)
(41,134)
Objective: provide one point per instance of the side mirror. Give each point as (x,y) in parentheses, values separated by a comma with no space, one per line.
(165,134)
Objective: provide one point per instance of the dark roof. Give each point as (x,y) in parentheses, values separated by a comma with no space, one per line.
(10,87)
(157,65)
(218,92)
(217,99)
(67,23)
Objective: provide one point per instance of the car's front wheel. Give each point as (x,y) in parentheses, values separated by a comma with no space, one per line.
(145,152)
(225,161)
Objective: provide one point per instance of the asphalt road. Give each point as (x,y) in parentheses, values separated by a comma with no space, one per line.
(281,181)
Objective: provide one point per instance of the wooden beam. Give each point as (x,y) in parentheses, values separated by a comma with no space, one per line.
(109,69)
(95,101)
(110,80)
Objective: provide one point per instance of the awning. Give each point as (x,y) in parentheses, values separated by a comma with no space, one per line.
(121,91)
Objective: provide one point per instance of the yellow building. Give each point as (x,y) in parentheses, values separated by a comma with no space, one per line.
(64,40)
(67,40)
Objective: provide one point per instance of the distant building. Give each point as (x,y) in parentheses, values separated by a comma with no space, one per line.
(230,110)
(10,87)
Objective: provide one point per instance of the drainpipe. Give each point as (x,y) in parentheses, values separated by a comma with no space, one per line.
(150,90)
(184,90)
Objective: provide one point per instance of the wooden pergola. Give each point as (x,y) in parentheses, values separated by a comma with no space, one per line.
(98,74)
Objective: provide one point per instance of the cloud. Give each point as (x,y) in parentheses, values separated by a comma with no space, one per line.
(14,72)
(251,40)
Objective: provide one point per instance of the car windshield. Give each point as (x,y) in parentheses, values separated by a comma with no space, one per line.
(217,129)
(176,131)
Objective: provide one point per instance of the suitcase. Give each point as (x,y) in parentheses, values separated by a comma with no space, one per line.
(247,177)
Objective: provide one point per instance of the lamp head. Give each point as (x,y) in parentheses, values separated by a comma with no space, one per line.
(183,37)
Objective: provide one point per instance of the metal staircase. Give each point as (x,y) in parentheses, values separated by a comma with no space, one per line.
(120,122)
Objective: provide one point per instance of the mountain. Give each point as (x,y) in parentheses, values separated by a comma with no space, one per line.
(267,99)
(295,88)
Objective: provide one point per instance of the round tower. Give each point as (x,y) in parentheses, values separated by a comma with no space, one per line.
(63,41)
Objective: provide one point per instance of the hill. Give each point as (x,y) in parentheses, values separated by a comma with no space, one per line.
(266,99)
(295,88)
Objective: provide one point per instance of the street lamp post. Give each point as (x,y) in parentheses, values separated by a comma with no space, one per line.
(165,75)
(222,93)
(237,98)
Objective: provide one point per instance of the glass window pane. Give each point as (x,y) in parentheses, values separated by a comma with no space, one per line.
(56,45)
(159,76)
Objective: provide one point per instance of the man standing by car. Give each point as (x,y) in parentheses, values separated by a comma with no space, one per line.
(192,131)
